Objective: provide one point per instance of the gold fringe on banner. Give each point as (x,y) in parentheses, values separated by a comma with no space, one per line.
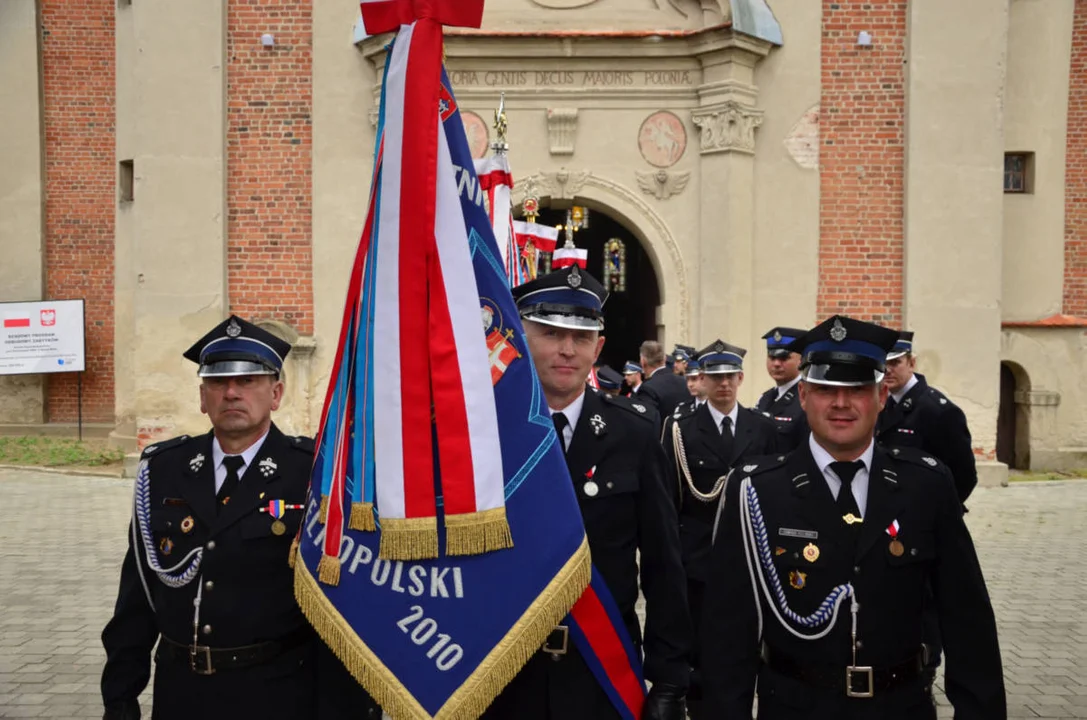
(481,688)
(294,552)
(362,517)
(328,570)
(476,533)
(409,538)
(322,512)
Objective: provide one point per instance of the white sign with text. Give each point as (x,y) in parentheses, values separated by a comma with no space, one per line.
(42,337)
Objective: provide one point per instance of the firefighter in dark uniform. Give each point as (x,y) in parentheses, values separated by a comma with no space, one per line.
(617,467)
(206,574)
(681,357)
(821,559)
(781,403)
(920,416)
(609,380)
(632,378)
(694,382)
(702,443)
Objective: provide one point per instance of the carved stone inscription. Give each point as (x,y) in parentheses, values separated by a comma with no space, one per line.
(573,78)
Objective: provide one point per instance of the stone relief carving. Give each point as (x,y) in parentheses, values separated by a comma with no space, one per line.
(802,142)
(662,184)
(561,130)
(711,11)
(728,127)
(662,139)
(544,184)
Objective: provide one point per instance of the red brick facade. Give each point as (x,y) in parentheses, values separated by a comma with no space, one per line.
(78,61)
(269,161)
(862,160)
(1075,180)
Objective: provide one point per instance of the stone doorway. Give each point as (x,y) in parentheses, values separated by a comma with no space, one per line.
(1013,418)
(631,309)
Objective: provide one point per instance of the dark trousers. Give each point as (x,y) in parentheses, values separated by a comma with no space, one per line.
(696,593)
(548,689)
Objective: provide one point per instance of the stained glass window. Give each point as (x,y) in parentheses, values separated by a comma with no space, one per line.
(615,265)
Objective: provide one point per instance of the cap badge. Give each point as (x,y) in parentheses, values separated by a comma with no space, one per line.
(267,467)
(599,426)
(719,346)
(574,278)
(233,329)
(838,332)
(197,462)
(777,336)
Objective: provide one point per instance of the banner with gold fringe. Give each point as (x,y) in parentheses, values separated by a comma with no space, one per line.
(442,539)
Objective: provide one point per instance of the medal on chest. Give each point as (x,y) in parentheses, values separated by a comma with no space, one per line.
(895,548)
(590,488)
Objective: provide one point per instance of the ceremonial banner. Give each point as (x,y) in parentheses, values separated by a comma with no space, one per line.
(567,256)
(497,182)
(442,539)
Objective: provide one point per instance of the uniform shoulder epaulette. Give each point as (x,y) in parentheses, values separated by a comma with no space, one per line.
(160,447)
(685,409)
(915,456)
(760,464)
(631,406)
(303,443)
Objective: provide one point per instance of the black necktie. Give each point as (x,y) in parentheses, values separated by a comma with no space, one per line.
(726,436)
(561,423)
(232,463)
(846,471)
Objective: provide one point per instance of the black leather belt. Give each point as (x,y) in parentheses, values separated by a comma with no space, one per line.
(204,660)
(854,681)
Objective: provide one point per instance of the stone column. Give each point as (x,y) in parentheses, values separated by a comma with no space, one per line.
(954,205)
(727,117)
(20,189)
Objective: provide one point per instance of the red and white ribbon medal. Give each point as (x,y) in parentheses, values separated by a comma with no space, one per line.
(895,547)
(590,487)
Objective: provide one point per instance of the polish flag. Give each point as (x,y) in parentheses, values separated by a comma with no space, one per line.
(565,257)
(543,237)
(16,321)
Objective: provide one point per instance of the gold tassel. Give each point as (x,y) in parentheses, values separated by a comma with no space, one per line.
(477,532)
(322,512)
(328,570)
(362,517)
(409,538)
(294,552)
(493,674)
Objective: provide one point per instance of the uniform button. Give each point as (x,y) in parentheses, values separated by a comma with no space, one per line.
(856,569)
(913,551)
(206,629)
(859,645)
(611,485)
(211,545)
(209,585)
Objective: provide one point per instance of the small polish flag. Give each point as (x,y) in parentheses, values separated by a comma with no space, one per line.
(16,321)
(565,257)
(543,237)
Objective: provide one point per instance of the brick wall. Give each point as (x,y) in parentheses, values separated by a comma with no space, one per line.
(269,161)
(1075,181)
(862,160)
(80,189)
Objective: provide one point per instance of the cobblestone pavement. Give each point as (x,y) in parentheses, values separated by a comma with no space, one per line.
(62,539)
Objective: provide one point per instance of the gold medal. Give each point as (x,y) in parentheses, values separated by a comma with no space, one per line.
(278,528)
(166,546)
(798,579)
(811,552)
(187,524)
(896,548)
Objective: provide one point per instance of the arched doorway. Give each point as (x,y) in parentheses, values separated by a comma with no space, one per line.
(1013,418)
(634,293)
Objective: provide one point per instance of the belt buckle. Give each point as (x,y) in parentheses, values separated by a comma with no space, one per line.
(555,653)
(200,660)
(850,673)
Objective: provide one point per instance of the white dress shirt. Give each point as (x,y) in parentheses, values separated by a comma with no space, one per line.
(572,413)
(718,416)
(823,459)
(782,389)
(217,456)
(905,388)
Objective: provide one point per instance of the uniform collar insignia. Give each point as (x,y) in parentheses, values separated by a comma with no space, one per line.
(838,332)
(639,408)
(599,426)
(907,403)
(196,462)
(267,467)
(233,329)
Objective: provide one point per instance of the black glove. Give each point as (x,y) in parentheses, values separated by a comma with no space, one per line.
(665,702)
(128,710)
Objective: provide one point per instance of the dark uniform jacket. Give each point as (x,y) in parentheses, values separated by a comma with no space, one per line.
(799,509)
(926,419)
(788,416)
(708,459)
(630,519)
(664,391)
(247,594)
